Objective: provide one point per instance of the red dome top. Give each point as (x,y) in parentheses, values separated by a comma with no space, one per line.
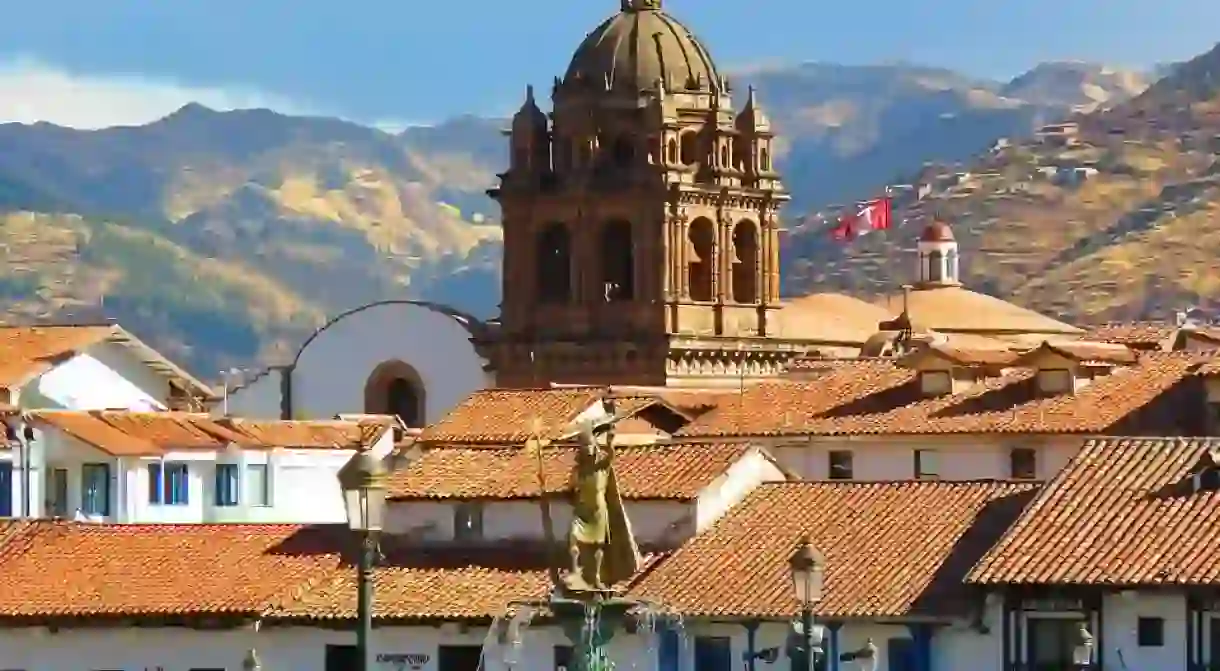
(937,231)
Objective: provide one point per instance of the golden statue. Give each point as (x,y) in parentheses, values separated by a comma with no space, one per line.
(600,541)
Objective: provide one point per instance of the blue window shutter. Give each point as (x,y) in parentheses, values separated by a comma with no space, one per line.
(226,484)
(6,489)
(669,652)
(183,484)
(154,483)
(713,653)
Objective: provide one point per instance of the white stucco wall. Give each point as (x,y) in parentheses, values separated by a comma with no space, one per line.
(958,458)
(331,371)
(504,520)
(303,649)
(303,484)
(665,522)
(743,477)
(1122,612)
(104,376)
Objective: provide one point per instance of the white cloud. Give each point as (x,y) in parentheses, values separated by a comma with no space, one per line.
(32,91)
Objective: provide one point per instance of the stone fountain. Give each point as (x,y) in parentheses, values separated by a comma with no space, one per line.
(602,552)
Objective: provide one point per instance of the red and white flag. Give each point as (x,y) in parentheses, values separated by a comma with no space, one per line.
(873,215)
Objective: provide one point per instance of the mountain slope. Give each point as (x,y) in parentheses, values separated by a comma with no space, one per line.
(225,237)
(1118,224)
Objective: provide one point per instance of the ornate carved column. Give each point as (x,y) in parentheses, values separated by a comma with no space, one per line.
(724,268)
(762,269)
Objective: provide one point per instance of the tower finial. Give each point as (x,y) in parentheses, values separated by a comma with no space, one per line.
(529,93)
(640,5)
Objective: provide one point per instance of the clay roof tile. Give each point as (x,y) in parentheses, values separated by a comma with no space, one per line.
(892,549)
(672,471)
(1123,512)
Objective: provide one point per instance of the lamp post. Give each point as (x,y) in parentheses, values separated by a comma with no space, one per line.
(363,480)
(251,662)
(808,569)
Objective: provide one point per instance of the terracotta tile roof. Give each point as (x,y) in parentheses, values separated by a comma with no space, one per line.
(500,416)
(182,430)
(962,356)
(1141,335)
(878,397)
(675,471)
(892,549)
(124,433)
(28,351)
(1121,513)
(1083,351)
(66,569)
(56,571)
(430,584)
(419,583)
(92,430)
(312,434)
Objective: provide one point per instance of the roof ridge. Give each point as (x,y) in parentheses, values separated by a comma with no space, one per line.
(899,481)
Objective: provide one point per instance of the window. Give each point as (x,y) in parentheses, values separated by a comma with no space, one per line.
(468,521)
(713,653)
(95,489)
(57,492)
(6,489)
(458,658)
(1150,632)
(669,650)
(169,483)
(926,467)
(227,485)
(840,464)
(900,653)
(1207,479)
(936,382)
(1052,641)
(1022,463)
(1055,381)
(258,485)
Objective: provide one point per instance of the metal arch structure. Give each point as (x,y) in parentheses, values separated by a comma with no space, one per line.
(475,326)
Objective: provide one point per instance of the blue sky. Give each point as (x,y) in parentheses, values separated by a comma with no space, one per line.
(422,60)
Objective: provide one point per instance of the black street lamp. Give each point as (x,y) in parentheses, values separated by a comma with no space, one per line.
(363,480)
(808,569)
(251,662)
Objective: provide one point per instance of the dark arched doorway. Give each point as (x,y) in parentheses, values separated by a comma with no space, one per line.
(617,261)
(702,239)
(745,262)
(395,388)
(554,264)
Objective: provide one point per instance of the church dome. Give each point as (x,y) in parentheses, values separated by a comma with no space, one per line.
(937,231)
(638,46)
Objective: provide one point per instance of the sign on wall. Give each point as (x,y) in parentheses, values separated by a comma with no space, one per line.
(404,661)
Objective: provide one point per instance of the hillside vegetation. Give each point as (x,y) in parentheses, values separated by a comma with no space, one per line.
(225,238)
(1117,222)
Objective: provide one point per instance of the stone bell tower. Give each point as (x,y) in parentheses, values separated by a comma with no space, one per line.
(641,233)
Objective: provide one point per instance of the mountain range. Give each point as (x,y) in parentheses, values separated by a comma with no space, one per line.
(225,237)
